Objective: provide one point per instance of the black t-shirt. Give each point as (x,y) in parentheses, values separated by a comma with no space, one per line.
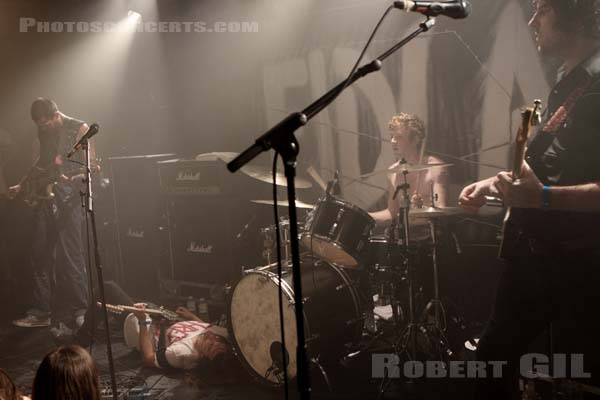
(566,151)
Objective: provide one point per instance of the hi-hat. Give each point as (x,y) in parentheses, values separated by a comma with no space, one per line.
(266,175)
(283,203)
(408,167)
(434,212)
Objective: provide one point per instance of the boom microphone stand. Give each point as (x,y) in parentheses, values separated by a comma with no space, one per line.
(281,138)
(84,144)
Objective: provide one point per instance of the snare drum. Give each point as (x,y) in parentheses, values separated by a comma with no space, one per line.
(332,317)
(338,232)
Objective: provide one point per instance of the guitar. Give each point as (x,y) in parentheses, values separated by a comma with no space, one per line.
(40,182)
(161,312)
(510,228)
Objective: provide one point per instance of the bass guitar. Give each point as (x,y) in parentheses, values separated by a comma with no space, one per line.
(511,228)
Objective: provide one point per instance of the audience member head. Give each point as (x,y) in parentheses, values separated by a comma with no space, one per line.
(67,373)
(8,390)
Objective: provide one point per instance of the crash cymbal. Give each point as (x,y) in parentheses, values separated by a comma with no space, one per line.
(408,167)
(434,212)
(266,175)
(283,203)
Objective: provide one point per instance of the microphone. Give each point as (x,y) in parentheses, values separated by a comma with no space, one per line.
(92,130)
(453,9)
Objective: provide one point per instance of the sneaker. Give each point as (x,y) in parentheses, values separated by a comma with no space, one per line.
(31,321)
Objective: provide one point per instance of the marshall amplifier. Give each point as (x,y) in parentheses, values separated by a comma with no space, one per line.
(138,208)
(192,177)
(200,239)
(206,207)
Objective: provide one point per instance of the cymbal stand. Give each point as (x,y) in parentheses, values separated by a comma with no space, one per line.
(436,302)
(408,338)
(403,221)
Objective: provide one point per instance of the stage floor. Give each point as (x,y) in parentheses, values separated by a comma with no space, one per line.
(22,349)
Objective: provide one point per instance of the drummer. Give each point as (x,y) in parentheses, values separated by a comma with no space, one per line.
(407,136)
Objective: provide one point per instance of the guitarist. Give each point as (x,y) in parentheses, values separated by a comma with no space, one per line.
(554,268)
(59,272)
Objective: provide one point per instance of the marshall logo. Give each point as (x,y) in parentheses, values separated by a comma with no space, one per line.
(135,233)
(196,248)
(183,176)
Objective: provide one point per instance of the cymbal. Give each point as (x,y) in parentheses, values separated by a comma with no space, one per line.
(266,175)
(434,212)
(283,203)
(408,167)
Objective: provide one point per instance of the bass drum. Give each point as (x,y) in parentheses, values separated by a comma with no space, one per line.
(332,317)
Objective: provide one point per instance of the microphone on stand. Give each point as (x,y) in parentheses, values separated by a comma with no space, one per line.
(453,9)
(92,130)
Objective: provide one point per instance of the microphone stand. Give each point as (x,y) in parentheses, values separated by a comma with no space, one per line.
(90,210)
(281,138)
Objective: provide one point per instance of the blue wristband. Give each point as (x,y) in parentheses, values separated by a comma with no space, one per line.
(546,196)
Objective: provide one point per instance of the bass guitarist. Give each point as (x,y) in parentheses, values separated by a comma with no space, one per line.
(553,269)
(59,269)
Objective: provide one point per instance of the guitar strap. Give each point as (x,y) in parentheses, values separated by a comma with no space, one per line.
(562,112)
(161,357)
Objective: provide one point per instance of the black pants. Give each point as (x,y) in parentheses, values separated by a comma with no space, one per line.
(534,291)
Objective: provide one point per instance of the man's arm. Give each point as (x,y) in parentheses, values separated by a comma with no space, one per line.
(145,338)
(187,314)
(146,347)
(440,178)
(472,197)
(527,192)
(384,217)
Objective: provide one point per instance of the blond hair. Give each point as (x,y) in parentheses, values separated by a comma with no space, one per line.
(412,122)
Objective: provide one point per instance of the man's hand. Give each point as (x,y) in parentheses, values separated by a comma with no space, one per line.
(13,191)
(185,313)
(523,193)
(140,314)
(472,197)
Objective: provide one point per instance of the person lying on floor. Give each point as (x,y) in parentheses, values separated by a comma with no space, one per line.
(183,345)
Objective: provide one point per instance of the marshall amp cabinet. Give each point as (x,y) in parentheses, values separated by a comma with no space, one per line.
(205,209)
(137,221)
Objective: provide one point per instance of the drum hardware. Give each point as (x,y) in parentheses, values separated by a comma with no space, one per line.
(416,335)
(316,362)
(345,285)
(269,236)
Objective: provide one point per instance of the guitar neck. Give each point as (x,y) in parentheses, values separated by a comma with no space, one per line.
(519,157)
(122,308)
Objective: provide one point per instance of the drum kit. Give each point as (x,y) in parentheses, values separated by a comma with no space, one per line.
(350,277)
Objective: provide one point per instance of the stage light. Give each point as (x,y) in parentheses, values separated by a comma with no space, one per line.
(133,17)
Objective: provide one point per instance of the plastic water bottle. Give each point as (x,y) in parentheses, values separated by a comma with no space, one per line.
(191,305)
(203,310)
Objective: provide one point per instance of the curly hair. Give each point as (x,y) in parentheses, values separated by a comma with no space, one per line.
(412,122)
(575,14)
(67,373)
